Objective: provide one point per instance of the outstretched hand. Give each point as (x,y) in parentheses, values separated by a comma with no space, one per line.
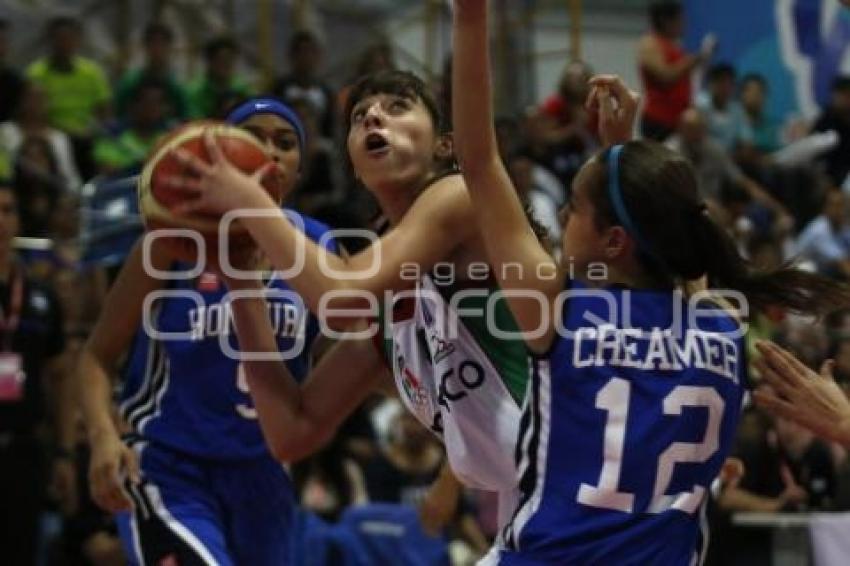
(218,186)
(617,106)
(795,392)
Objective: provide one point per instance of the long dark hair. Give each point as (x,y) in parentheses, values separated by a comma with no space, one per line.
(680,241)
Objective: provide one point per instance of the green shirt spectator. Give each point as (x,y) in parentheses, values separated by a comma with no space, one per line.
(146,124)
(157,43)
(77,90)
(74,95)
(124,150)
(128,86)
(211,95)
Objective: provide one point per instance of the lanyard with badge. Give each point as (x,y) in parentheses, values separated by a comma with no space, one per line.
(12,375)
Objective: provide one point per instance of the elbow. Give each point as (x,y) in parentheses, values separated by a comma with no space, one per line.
(293,448)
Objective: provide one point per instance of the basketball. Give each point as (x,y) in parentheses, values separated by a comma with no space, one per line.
(158,200)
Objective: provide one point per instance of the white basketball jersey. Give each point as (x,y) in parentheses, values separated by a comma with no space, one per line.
(454,379)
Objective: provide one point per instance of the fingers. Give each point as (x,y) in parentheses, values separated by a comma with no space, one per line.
(627,98)
(773,404)
(606,104)
(261,173)
(130,460)
(213,149)
(591,103)
(106,489)
(183,183)
(785,368)
(774,379)
(191,161)
(826,370)
(188,207)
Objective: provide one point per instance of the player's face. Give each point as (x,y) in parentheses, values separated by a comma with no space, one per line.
(392,141)
(281,141)
(582,243)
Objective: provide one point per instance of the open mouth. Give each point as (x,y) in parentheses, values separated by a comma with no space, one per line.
(376,144)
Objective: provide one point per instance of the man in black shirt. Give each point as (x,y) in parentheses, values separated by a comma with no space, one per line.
(837,117)
(31,346)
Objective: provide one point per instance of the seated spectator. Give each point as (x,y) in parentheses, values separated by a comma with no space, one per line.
(714,167)
(761,133)
(30,119)
(11,81)
(302,82)
(211,94)
(145,127)
(38,185)
(722,111)
(836,117)
(158,43)
(77,89)
(826,239)
(566,121)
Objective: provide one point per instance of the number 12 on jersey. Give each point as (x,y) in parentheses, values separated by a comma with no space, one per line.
(614,399)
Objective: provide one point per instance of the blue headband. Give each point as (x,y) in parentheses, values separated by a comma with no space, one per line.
(268,106)
(615,193)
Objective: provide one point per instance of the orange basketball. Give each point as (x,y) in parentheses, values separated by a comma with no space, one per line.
(157,200)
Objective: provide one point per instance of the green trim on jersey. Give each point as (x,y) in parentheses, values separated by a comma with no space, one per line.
(509,357)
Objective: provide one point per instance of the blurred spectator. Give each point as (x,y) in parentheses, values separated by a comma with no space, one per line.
(11,81)
(836,117)
(32,371)
(213,93)
(146,125)
(666,69)
(715,168)
(320,185)
(719,105)
(761,133)
(565,118)
(30,119)
(563,162)
(158,42)
(404,469)
(377,57)
(77,89)
(787,469)
(302,82)
(38,185)
(826,239)
(543,208)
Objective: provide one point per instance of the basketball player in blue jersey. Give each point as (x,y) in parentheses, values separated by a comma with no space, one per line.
(636,389)
(203,488)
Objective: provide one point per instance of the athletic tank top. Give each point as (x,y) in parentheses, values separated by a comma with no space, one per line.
(183,392)
(665,103)
(460,381)
(630,417)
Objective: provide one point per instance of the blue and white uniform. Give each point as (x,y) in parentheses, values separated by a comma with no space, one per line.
(629,419)
(211,492)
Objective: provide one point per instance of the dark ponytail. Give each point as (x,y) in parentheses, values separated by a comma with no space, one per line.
(679,241)
(794,289)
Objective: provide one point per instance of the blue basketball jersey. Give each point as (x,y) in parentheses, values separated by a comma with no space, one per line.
(183,391)
(630,417)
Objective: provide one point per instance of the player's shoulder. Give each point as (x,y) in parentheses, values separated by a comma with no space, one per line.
(314,229)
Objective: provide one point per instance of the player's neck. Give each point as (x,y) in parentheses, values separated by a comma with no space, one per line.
(395,202)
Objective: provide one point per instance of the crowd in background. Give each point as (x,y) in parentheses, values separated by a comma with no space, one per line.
(781,188)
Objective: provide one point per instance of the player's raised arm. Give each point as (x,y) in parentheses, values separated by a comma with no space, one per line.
(499,213)
(427,233)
